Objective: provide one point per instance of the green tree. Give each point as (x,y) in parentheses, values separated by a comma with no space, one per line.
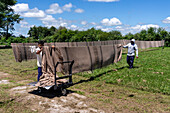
(143,34)
(115,35)
(52,30)
(39,32)
(7,16)
(129,36)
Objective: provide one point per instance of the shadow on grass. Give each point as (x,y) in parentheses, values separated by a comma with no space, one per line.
(99,75)
(24,71)
(5,47)
(124,53)
(51,93)
(6,102)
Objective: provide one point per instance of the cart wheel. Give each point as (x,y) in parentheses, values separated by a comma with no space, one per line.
(64,92)
(55,87)
(39,90)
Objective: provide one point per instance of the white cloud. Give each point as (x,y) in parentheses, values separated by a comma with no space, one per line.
(49,21)
(67,7)
(79,10)
(24,24)
(83,22)
(103,0)
(118,27)
(48,18)
(93,23)
(99,27)
(64,24)
(23,10)
(22,28)
(107,29)
(20,7)
(73,26)
(34,13)
(54,9)
(111,22)
(167,20)
(134,29)
(144,27)
(149,25)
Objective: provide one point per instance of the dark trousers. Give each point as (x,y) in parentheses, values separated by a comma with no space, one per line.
(130,60)
(39,73)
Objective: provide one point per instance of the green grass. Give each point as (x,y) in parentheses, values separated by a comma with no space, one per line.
(23,70)
(151,72)
(105,88)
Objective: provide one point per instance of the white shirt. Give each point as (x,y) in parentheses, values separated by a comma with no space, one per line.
(131,49)
(39,58)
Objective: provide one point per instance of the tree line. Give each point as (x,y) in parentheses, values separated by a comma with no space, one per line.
(63,34)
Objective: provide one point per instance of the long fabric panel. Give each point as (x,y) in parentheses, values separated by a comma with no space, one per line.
(25,51)
(86,58)
(86,55)
(91,57)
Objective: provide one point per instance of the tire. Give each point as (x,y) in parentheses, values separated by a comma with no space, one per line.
(63,91)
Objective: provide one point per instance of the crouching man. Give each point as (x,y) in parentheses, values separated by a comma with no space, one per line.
(132,47)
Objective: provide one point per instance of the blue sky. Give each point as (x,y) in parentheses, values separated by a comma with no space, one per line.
(122,15)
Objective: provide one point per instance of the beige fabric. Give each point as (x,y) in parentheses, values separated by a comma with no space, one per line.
(86,55)
(22,51)
(50,58)
(85,59)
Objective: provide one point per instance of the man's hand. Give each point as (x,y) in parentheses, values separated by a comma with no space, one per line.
(38,52)
(136,56)
(41,49)
(52,46)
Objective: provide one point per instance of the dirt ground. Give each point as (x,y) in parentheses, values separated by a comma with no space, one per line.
(109,101)
(49,101)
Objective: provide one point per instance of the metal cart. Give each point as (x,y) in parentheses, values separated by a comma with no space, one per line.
(61,87)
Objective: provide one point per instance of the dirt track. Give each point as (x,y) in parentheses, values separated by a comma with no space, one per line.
(109,100)
(49,101)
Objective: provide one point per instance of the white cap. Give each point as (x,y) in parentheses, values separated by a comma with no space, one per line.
(133,40)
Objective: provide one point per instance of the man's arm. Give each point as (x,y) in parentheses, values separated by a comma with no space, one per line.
(126,46)
(52,46)
(136,48)
(38,52)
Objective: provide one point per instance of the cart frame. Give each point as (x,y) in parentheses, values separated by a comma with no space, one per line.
(67,84)
(61,87)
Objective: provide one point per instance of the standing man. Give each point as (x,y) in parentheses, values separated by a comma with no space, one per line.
(132,47)
(39,58)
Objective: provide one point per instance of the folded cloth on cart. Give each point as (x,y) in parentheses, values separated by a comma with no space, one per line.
(49,60)
(47,79)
